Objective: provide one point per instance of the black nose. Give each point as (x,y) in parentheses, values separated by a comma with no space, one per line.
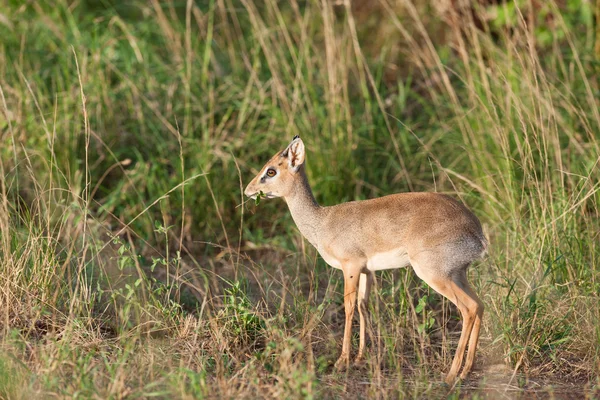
(296,137)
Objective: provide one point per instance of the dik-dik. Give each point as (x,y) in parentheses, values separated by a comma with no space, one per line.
(435,234)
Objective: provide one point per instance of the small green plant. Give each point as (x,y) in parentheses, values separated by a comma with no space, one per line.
(240,320)
(427,318)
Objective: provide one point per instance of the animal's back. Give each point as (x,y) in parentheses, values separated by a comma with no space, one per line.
(386,231)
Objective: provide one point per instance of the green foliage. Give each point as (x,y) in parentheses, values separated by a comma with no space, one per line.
(550,24)
(427,318)
(238,317)
(12,378)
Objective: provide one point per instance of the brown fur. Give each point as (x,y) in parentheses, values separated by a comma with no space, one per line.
(434,233)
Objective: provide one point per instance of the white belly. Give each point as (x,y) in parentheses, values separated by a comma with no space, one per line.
(397,258)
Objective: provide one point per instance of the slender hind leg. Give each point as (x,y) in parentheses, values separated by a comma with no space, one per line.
(364,289)
(461,279)
(458,292)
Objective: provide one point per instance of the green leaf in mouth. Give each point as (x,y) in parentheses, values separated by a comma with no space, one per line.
(258,196)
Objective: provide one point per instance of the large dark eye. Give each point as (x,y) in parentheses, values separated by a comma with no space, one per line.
(271,172)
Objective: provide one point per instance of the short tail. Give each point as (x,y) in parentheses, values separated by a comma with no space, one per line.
(484,244)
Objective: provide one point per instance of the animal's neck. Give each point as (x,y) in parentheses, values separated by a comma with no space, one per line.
(306,212)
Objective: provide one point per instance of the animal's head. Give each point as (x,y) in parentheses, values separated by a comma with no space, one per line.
(276,178)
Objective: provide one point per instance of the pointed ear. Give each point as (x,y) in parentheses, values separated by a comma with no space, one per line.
(295,154)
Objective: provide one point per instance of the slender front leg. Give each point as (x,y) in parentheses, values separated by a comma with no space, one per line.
(351,278)
(364,289)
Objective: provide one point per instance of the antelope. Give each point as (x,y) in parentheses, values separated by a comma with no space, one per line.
(434,233)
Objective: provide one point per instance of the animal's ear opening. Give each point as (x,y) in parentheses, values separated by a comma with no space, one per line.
(294,153)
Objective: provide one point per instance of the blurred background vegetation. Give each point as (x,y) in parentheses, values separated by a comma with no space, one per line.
(131,265)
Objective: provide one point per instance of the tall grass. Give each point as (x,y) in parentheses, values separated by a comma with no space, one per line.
(131,265)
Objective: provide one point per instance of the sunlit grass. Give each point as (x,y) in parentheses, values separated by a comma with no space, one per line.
(132,266)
